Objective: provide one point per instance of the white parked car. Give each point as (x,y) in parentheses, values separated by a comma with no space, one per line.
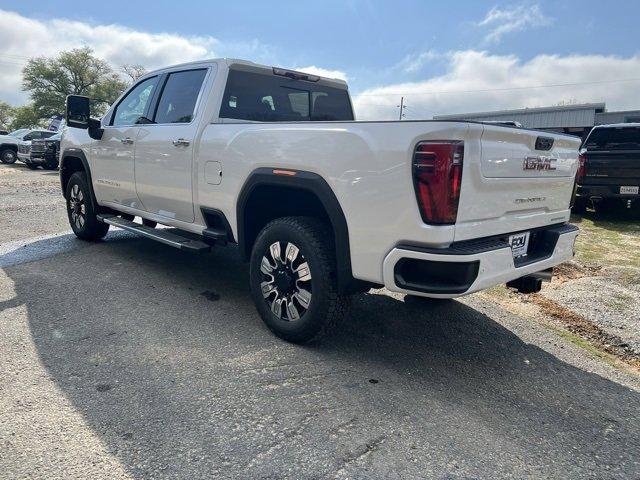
(17,144)
(321,205)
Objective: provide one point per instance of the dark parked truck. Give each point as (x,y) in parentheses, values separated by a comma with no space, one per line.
(609,171)
(44,152)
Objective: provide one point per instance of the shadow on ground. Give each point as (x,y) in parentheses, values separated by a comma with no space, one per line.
(619,220)
(164,356)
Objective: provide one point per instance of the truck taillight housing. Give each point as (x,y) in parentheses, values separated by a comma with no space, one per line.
(582,159)
(437,176)
(582,162)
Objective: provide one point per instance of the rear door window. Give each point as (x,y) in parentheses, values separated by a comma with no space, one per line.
(274,98)
(179,96)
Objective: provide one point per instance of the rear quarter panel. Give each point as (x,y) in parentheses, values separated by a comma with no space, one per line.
(367,165)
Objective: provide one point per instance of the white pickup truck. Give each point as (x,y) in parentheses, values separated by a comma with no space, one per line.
(322,206)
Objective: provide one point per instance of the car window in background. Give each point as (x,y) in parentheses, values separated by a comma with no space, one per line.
(135,104)
(273,98)
(613,138)
(179,96)
(31,136)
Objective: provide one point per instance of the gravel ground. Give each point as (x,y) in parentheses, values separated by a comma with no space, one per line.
(613,306)
(32,194)
(129,359)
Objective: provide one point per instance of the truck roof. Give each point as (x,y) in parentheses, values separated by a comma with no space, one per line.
(236,61)
(618,125)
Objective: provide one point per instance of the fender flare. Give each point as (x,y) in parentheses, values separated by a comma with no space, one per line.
(76,153)
(312,183)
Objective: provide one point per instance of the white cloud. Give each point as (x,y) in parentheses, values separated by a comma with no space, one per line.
(22,38)
(479,81)
(323,72)
(514,19)
(413,63)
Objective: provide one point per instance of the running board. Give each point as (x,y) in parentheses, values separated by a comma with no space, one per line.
(159,235)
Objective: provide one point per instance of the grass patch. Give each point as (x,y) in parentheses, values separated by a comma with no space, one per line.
(608,243)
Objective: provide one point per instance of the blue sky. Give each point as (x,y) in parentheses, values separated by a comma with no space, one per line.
(376,45)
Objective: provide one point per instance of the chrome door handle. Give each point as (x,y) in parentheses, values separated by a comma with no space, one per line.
(127,140)
(181,142)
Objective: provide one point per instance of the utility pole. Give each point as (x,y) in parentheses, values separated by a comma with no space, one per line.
(402,106)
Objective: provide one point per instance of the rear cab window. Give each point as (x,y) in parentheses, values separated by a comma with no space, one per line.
(613,138)
(265,97)
(179,96)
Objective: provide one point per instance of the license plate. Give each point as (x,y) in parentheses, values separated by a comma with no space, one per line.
(629,190)
(519,244)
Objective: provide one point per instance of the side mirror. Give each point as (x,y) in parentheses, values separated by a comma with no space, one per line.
(78,111)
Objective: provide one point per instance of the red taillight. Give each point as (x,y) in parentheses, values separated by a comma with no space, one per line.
(582,162)
(437,174)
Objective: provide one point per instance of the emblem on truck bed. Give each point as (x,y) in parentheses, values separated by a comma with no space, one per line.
(538,162)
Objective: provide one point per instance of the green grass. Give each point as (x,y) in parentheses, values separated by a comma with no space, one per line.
(608,243)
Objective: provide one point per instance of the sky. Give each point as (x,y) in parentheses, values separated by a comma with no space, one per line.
(443,57)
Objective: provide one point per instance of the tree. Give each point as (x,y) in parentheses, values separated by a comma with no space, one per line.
(7,113)
(73,72)
(133,71)
(26,116)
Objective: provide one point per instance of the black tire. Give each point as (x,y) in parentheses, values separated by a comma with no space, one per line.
(149,223)
(286,283)
(580,205)
(31,166)
(81,211)
(8,156)
(50,166)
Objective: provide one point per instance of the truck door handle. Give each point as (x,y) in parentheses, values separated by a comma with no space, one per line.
(181,142)
(127,140)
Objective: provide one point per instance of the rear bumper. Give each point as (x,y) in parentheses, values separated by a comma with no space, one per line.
(472,266)
(23,157)
(605,191)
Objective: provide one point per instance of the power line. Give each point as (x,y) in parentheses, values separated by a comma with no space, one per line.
(496,89)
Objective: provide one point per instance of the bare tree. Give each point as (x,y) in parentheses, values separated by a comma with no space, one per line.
(134,72)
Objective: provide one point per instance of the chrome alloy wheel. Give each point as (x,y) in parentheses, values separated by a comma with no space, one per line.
(77,207)
(286,285)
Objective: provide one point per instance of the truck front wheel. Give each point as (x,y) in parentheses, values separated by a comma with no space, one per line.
(80,210)
(293,279)
(8,156)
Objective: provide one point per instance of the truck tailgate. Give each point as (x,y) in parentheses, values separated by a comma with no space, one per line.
(522,179)
(612,168)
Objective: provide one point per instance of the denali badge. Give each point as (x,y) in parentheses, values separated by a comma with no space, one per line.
(530,199)
(538,162)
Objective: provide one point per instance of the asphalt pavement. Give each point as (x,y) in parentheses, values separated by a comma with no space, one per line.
(130,359)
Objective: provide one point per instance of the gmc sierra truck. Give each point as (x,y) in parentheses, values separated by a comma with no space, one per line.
(320,205)
(609,170)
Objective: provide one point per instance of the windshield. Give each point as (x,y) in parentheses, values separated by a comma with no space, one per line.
(613,138)
(19,132)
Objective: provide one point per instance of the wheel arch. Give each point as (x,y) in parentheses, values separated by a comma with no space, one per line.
(10,146)
(306,193)
(73,160)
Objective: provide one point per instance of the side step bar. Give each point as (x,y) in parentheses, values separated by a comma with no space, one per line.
(159,235)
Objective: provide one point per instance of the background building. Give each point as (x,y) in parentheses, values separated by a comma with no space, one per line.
(574,119)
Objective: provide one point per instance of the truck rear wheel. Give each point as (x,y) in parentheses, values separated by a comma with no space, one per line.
(81,211)
(293,279)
